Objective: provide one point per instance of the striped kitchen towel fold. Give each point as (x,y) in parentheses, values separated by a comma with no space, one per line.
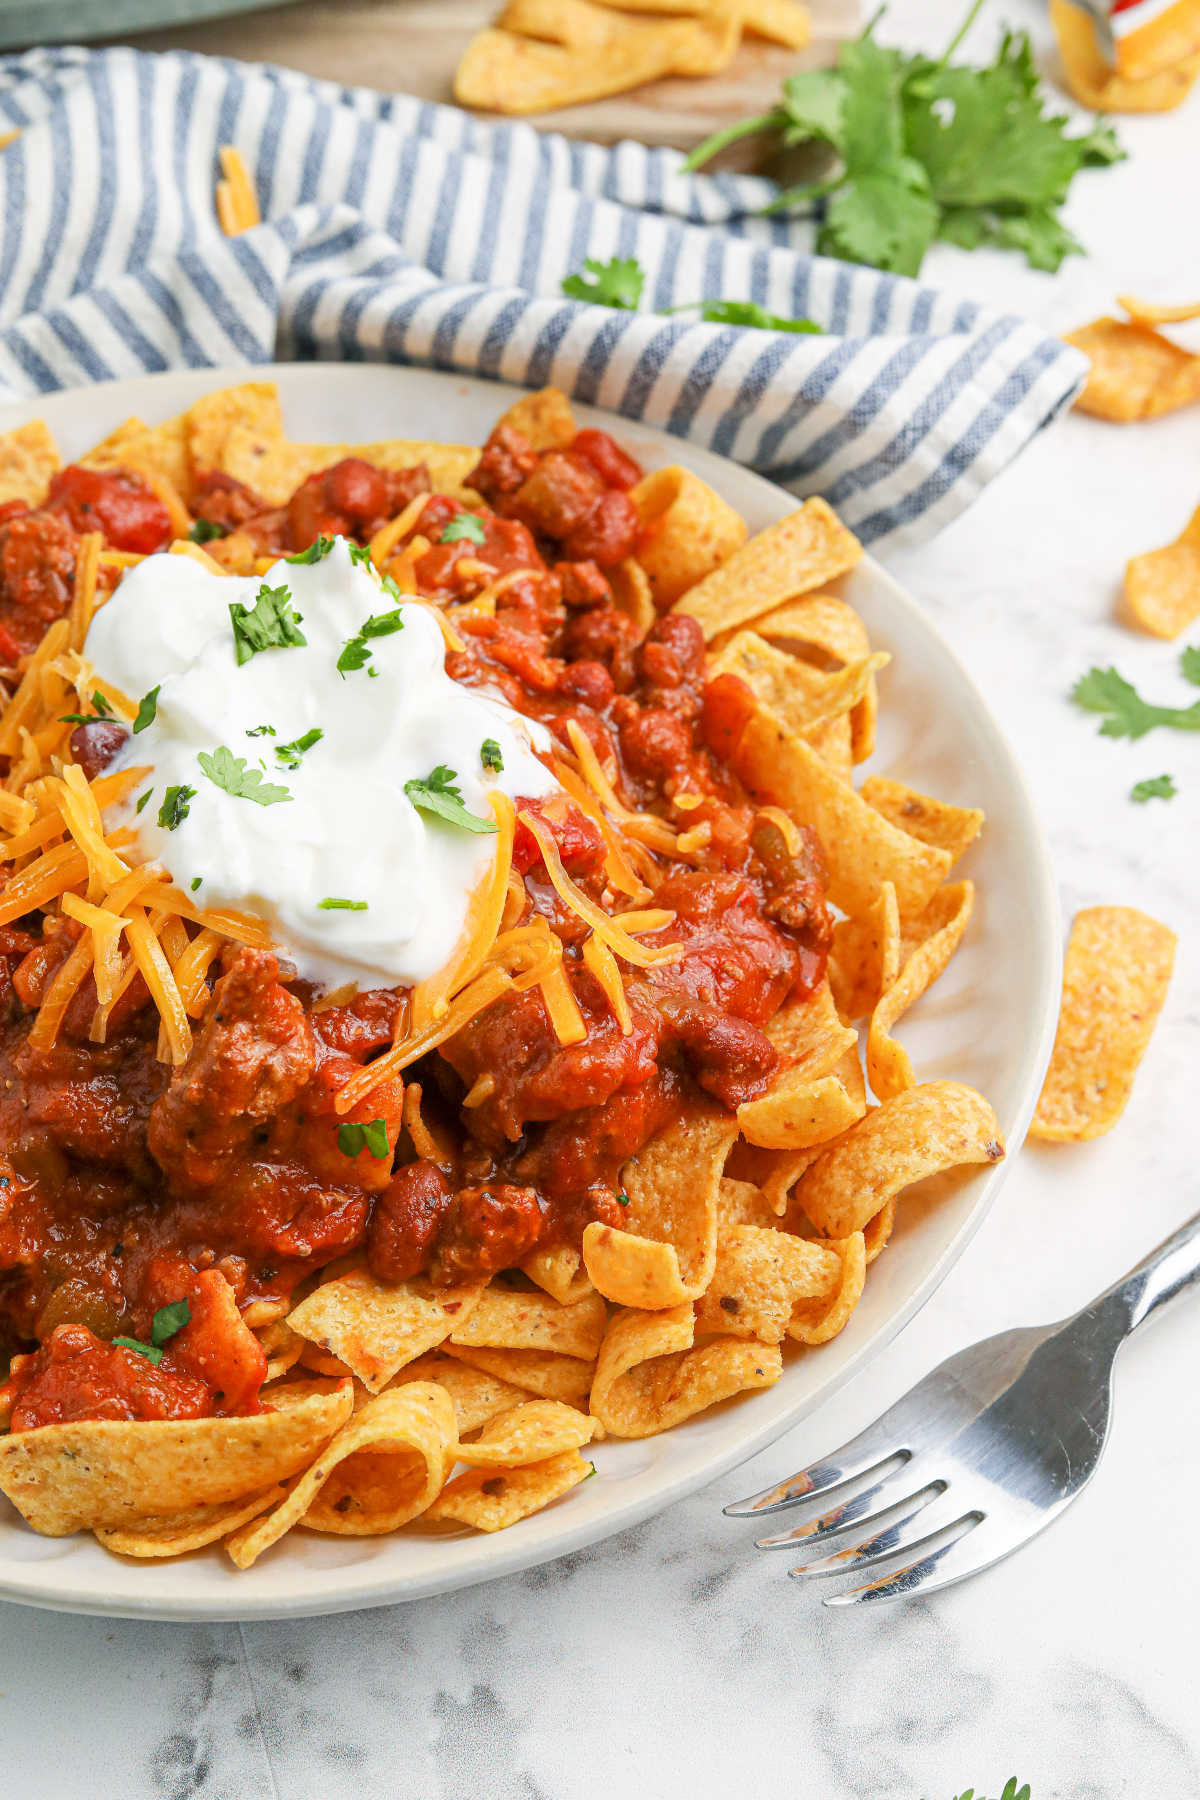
(402,231)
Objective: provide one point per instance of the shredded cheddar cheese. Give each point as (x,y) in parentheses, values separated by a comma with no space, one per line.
(237,203)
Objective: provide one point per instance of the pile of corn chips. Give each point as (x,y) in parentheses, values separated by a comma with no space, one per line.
(543,54)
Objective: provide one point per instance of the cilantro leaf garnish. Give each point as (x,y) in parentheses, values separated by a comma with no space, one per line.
(271,624)
(490,756)
(290,754)
(194,884)
(372,1136)
(437,796)
(466,524)
(320,547)
(332,903)
(382,624)
(1189,664)
(205,530)
(1157,787)
(230,774)
(1126,713)
(166,1322)
(359,553)
(749,312)
(617,282)
(356,654)
(918,149)
(261,731)
(147,708)
(100,714)
(143,799)
(175,807)
(621,1199)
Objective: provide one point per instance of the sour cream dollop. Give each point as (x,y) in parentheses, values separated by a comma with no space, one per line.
(347,831)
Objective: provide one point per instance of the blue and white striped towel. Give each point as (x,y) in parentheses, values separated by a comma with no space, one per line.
(399,230)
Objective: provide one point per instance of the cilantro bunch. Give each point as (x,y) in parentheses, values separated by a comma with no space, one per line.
(926,150)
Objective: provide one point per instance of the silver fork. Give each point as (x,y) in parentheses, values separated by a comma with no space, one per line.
(981,1455)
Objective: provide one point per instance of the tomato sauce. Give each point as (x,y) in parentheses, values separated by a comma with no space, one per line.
(126,1185)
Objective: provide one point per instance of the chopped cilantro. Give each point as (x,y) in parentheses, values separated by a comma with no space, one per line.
(175,808)
(490,755)
(270,625)
(290,754)
(382,625)
(147,708)
(205,530)
(261,731)
(617,282)
(1127,714)
(922,149)
(621,1199)
(1157,787)
(1189,664)
(359,553)
(195,882)
(144,798)
(464,525)
(230,774)
(167,1321)
(331,903)
(355,655)
(101,712)
(388,584)
(438,796)
(319,548)
(372,1136)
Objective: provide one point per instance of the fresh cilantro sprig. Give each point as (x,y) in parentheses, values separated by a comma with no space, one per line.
(230,774)
(749,312)
(1126,714)
(923,149)
(100,714)
(271,624)
(617,282)
(175,807)
(438,796)
(166,1322)
(289,754)
(464,525)
(1189,664)
(1011,1792)
(372,1136)
(1156,787)
(318,549)
(356,651)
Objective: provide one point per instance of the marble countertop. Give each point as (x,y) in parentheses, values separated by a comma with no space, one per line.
(672,1661)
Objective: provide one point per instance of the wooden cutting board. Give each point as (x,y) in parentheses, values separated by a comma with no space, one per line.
(413,46)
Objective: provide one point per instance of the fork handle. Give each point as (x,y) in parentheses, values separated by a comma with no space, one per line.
(1159,1277)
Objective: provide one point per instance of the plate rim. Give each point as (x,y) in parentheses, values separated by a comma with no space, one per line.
(503,1555)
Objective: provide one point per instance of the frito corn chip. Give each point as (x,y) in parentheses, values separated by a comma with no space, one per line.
(780,21)
(251,406)
(939,1125)
(154,450)
(382,1469)
(491,1499)
(1162,587)
(375,1327)
(511,1319)
(861,848)
(1096,84)
(946,827)
(798,1111)
(816,1320)
(632,593)
(1136,372)
(1115,979)
(544,419)
(667,1253)
(687,531)
(945,919)
(808,547)
(175,1533)
(828,633)
(530,1433)
(565,1378)
(107,1472)
(759,1277)
(649,1377)
(740,1203)
(28,458)
(274,466)
(560,1271)
(282,1348)
(803,697)
(864,958)
(810,1034)
(1144,312)
(475,1396)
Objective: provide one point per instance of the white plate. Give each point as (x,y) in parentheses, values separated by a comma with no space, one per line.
(989,1022)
